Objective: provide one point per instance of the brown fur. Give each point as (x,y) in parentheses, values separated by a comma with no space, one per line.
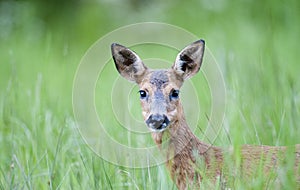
(182,160)
(189,160)
(184,150)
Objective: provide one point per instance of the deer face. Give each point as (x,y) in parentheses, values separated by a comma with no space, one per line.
(159,99)
(159,89)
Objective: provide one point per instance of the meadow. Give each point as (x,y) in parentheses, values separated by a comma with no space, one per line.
(255,44)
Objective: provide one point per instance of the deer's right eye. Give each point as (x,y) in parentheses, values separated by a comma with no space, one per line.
(143,94)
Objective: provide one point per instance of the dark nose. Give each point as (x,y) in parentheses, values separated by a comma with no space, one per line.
(157,121)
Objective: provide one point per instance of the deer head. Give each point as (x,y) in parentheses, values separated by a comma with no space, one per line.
(159,89)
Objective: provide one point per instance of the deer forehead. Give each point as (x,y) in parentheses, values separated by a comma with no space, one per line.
(161,80)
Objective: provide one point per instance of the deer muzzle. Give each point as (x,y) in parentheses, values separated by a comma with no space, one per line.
(157,122)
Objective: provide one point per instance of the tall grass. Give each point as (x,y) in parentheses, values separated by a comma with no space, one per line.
(255,44)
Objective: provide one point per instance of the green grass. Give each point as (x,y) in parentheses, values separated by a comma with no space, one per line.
(254,43)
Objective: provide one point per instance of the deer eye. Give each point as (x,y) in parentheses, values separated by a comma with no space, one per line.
(174,94)
(143,94)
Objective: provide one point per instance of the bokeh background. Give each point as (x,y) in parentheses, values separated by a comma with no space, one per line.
(42,42)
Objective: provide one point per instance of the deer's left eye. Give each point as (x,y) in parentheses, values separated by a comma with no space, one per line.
(174,94)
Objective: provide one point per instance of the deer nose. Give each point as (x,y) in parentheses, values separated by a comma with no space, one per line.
(157,122)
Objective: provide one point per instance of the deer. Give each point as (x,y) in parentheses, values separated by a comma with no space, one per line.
(164,116)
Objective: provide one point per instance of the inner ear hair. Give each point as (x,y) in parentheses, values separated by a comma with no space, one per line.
(127,57)
(186,62)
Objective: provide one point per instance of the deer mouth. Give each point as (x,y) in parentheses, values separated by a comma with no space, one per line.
(157,123)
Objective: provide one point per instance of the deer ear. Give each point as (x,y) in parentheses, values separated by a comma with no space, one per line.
(189,60)
(128,63)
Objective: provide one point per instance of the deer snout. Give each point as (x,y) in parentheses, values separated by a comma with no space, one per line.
(157,122)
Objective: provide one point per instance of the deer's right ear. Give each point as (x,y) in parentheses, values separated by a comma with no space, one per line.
(128,63)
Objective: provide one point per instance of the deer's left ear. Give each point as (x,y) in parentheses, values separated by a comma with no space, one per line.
(189,60)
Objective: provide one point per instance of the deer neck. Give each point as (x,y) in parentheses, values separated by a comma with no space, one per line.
(182,150)
(177,137)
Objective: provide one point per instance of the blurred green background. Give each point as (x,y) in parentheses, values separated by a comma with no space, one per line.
(42,42)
